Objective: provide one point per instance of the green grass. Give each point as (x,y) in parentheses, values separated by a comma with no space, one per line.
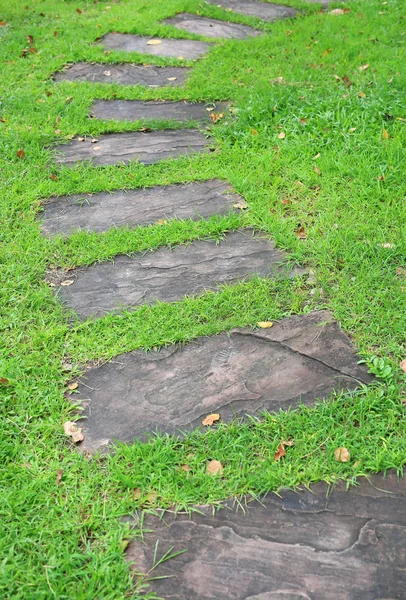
(66,541)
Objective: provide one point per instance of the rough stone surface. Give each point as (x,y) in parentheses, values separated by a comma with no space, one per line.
(170,274)
(187,49)
(100,212)
(306,545)
(146,147)
(212,28)
(135,110)
(252,8)
(241,372)
(124,74)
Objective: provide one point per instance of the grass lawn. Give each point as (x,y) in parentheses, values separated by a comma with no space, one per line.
(336,87)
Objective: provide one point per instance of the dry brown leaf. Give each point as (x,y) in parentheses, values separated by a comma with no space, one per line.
(216,117)
(316,170)
(281,135)
(57,131)
(264,324)
(289,443)
(347,81)
(342,454)
(185,468)
(280,452)
(286,201)
(154,42)
(73,386)
(3,23)
(21,154)
(403,365)
(73,431)
(363,67)
(161,221)
(303,121)
(59,477)
(385,134)
(316,156)
(399,271)
(4,381)
(137,493)
(352,129)
(210,419)
(214,467)
(53,177)
(301,233)
(254,132)
(361,94)
(241,205)
(67,282)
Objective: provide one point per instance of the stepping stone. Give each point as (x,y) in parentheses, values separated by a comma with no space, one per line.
(308,545)
(252,8)
(187,49)
(100,212)
(135,110)
(146,147)
(212,28)
(124,74)
(169,274)
(245,371)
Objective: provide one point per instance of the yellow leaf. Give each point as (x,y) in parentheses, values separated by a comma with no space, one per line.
(210,419)
(385,134)
(73,386)
(215,467)
(342,455)
(153,42)
(264,324)
(67,282)
(171,78)
(73,431)
(281,135)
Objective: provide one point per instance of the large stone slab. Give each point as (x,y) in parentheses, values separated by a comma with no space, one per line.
(307,545)
(170,274)
(187,49)
(124,74)
(100,212)
(245,371)
(135,110)
(263,10)
(146,147)
(212,28)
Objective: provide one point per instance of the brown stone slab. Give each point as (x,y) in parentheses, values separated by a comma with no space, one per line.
(135,110)
(187,49)
(322,544)
(245,371)
(263,10)
(170,274)
(146,147)
(124,74)
(212,28)
(100,212)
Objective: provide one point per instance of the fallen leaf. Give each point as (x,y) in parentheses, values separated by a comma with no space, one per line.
(317,156)
(401,271)
(185,468)
(254,132)
(94,141)
(79,11)
(385,134)
(264,324)
(55,33)
(316,170)
(53,177)
(241,204)
(215,467)
(337,11)
(73,386)
(171,78)
(216,117)
(403,365)
(3,120)
(301,233)
(280,452)
(337,77)
(59,477)
(107,73)
(346,80)
(21,154)
(161,221)
(3,23)
(73,431)
(303,121)
(386,245)
(153,42)
(137,493)
(80,139)
(361,94)
(342,454)
(151,498)
(67,282)
(57,131)
(210,419)
(281,135)
(352,129)
(286,201)
(289,443)
(30,39)
(69,99)
(180,57)
(4,381)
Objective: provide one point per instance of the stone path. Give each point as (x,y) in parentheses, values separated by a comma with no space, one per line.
(306,545)
(242,372)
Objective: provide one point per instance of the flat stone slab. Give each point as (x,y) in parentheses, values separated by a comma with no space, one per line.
(124,74)
(146,147)
(307,545)
(169,274)
(252,8)
(100,212)
(138,110)
(212,28)
(187,49)
(244,371)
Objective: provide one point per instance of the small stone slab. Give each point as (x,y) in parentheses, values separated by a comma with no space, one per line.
(136,110)
(100,212)
(322,544)
(252,8)
(212,28)
(245,371)
(146,147)
(186,49)
(124,74)
(169,274)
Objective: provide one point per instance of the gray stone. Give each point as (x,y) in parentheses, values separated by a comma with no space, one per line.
(212,28)
(146,147)
(322,544)
(170,274)
(263,10)
(100,212)
(135,110)
(245,371)
(187,49)
(124,74)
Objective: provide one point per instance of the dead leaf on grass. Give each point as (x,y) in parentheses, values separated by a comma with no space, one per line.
(337,11)
(73,431)
(4,381)
(385,134)
(403,365)
(21,154)
(363,67)
(214,467)
(59,477)
(303,121)
(301,233)
(281,135)
(241,205)
(137,493)
(216,116)
(264,324)
(347,81)
(286,201)
(280,452)
(185,468)
(342,455)
(210,419)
